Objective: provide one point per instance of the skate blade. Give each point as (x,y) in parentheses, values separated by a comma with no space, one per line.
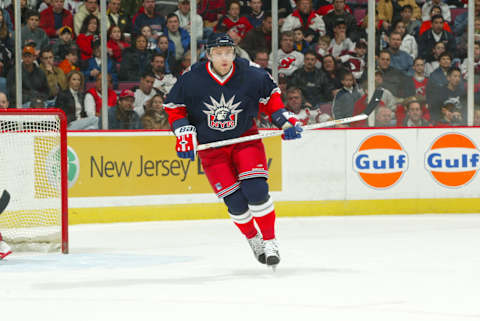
(274,267)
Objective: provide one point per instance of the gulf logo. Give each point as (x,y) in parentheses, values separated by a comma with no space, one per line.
(453,160)
(380,161)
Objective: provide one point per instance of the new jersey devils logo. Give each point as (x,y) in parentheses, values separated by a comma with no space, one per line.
(222,115)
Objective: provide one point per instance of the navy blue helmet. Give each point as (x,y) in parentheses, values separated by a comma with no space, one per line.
(220,40)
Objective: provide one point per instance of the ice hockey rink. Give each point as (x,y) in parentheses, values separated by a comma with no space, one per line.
(375,268)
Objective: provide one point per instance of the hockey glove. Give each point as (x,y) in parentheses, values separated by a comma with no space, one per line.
(186,142)
(292,127)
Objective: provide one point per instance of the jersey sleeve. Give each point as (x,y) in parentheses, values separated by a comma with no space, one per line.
(175,105)
(271,101)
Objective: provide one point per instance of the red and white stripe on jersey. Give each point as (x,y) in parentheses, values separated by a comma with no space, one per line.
(228,190)
(175,112)
(242,218)
(256,172)
(262,209)
(271,104)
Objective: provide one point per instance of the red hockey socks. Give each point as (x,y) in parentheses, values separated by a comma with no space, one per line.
(264,215)
(244,222)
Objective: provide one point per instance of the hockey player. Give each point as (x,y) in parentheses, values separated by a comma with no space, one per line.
(4,247)
(218,100)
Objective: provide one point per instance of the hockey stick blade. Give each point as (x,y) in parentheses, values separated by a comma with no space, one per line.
(374,101)
(4,200)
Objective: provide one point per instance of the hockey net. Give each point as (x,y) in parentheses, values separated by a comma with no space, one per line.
(33,169)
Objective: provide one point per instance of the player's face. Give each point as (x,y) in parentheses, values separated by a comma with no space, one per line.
(222,59)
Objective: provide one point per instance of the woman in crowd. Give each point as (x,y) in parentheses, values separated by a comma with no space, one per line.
(162,47)
(89,32)
(135,60)
(409,44)
(151,41)
(330,67)
(116,43)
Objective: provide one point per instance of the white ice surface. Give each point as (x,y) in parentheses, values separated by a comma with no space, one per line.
(372,268)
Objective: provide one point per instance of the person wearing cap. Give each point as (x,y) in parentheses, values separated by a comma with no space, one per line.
(54,18)
(34,82)
(183,14)
(32,33)
(339,12)
(122,116)
(64,43)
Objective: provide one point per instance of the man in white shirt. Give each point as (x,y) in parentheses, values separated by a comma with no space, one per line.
(144,92)
(289,59)
(163,82)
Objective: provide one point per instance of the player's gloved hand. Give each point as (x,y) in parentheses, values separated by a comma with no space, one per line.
(186,142)
(292,127)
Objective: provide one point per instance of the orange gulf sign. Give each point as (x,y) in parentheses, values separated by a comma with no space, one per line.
(380,161)
(452,160)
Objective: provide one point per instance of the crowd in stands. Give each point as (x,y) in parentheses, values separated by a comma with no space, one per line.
(420,61)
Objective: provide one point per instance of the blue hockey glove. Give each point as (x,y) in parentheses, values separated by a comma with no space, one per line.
(292,127)
(186,142)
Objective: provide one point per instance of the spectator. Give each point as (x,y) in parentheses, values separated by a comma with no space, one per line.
(24,10)
(356,59)
(461,21)
(73,6)
(261,59)
(163,81)
(162,48)
(415,115)
(178,38)
(340,44)
(122,116)
(476,115)
(344,101)
(32,33)
(399,59)
(116,43)
(306,18)
(383,117)
(387,98)
(259,38)
(393,79)
(443,6)
(131,6)
(211,11)
(155,103)
(322,46)
(430,37)
(5,34)
(255,13)
(391,10)
(329,65)
(34,82)
(462,41)
(302,110)
(144,91)
(289,60)
(71,101)
(151,41)
(420,80)
(149,17)
(239,52)
(183,14)
(53,18)
(437,50)
(453,90)
(183,64)
(299,41)
(55,76)
(6,62)
(233,20)
(89,33)
(314,83)
(3,100)
(93,96)
(64,43)
(339,12)
(155,116)
(118,18)
(410,20)
(476,63)
(439,76)
(70,62)
(450,114)
(135,60)
(93,66)
(409,44)
(89,8)
(427,25)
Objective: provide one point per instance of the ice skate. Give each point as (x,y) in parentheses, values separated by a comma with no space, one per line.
(272,254)
(4,249)
(257,244)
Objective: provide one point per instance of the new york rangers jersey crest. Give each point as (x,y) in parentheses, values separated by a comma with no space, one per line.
(222,115)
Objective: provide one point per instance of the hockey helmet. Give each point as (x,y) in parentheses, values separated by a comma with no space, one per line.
(220,40)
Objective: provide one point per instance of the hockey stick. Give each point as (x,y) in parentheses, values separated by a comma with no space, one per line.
(374,101)
(4,200)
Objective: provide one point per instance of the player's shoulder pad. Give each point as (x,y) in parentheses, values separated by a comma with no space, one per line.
(252,68)
(196,67)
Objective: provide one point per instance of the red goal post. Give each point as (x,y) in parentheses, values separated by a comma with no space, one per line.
(33,168)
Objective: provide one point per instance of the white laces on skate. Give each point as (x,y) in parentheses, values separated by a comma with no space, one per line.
(256,243)
(272,254)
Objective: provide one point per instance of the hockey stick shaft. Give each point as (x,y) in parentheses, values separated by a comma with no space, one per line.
(4,200)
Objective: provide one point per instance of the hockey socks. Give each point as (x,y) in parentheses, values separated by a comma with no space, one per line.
(244,222)
(264,215)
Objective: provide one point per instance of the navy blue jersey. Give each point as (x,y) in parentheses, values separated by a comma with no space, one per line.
(222,108)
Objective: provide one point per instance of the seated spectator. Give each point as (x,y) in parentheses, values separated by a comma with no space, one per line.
(54,17)
(255,14)
(332,69)
(24,11)
(450,115)
(239,52)
(394,80)
(388,99)
(426,8)
(163,81)
(399,59)
(73,6)
(356,60)
(70,62)
(476,115)
(116,43)
(55,76)
(71,101)
(430,37)
(259,38)
(414,116)
(211,11)
(438,77)
(302,110)
(261,59)
(340,44)
(410,19)
(183,64)
(344,101)
(324,7)
(437,50)
(453,90)
(409,44)
(93,96)
(149,17)
(3,101)
(144,92)
(88,34)
(34,82)
(306,18)
(122,116)
(37,103)
(476,63)
(462,41)
(289,60)
(118,18)
(322,46)
(391,10)
(183,14)
(383,117)
(232,20)
(178,38)
(299,41)
(151,41)
(32,33)
(419,79)
(93,66)
(6,38)
(155,103)
(339,12)
(64,43)
(153,119)
(315,85)
(162,48)
(89,8)
(135,60)
(427,25)
(6,63)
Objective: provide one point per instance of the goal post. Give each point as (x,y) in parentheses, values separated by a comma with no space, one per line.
(33,169)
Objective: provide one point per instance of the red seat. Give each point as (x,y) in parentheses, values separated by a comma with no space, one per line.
(127,85)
